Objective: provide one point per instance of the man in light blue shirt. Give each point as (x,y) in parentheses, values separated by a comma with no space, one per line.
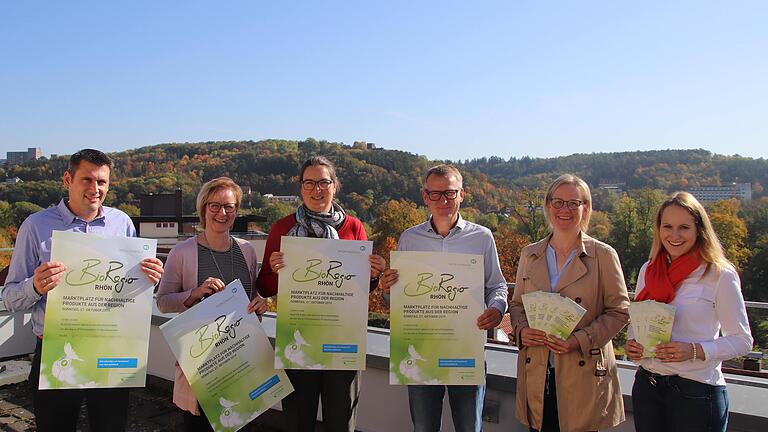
(447,231)
(32,275)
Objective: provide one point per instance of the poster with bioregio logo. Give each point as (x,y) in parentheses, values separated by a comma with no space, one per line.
(322,304)
(434,339)
(97,320)
(227,359)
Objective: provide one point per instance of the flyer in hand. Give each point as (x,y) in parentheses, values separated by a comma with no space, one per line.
(652,324)
(552,313)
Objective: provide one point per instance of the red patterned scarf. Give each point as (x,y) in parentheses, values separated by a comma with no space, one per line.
(662,278)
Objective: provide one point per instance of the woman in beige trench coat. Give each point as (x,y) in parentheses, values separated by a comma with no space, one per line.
(572,384)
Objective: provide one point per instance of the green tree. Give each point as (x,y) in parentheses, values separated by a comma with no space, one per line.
(731,230)
(129,209)
(21,210)
(488,220)
(6,214)
(632,230)
(755,272)
(392,218)
(275,211)
(6,242)
(600,225)
(528,211)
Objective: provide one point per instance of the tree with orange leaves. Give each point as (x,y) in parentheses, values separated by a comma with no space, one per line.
(509,244)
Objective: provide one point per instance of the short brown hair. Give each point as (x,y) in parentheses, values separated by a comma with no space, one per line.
(95,157)
(210,188)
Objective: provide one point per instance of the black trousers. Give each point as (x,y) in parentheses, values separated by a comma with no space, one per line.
(196,423)
(339,390)
(551,422)
(57,410)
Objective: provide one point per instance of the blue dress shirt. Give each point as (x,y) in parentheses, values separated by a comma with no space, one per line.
(554,272)
(33,248)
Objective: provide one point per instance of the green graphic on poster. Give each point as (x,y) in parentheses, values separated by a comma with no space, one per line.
(97,319)
(322,304)
(433,309)
(227,359)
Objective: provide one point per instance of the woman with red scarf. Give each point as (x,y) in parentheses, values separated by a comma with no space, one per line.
(682,387)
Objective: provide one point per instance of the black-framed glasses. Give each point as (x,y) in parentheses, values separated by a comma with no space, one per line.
(215,207)
(449,194)
(570,204)
(310,185)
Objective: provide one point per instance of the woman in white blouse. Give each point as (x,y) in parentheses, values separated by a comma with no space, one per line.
(682,387)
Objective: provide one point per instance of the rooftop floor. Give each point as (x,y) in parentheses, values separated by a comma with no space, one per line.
(150,410)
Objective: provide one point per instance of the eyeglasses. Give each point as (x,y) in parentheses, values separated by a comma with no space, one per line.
(228,208)
(570,204)
(310,185)
(449,194)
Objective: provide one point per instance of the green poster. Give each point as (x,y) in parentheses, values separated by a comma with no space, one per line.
(322,304)
(97,320)
(434,306)
(227,358)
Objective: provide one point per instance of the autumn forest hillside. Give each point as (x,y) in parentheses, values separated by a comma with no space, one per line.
(382,187)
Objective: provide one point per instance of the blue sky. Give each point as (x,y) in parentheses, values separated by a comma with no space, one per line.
(449,80)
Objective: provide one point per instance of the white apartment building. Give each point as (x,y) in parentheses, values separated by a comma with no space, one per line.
(741,191)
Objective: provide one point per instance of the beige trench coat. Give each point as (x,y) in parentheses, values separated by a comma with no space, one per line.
(588,393)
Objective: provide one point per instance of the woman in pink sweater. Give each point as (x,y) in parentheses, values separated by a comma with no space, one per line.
(202,266)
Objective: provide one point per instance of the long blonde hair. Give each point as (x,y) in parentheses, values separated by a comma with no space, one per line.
(710,249)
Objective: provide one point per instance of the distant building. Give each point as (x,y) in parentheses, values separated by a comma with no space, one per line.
(162,204)
(364,145)
(13,180)
(3,161)
(32,153)
(708,194)
(282,198)
(617,188)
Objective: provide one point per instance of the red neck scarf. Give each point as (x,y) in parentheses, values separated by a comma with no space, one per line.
(662,278)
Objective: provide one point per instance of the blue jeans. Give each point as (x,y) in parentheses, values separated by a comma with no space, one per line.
(426,403)
(672,403)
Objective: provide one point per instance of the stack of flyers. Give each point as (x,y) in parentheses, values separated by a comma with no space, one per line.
(652,324)
(552,313)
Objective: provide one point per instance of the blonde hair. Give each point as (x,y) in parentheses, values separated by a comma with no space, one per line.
(210,188)
(710,249)
(586,196)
